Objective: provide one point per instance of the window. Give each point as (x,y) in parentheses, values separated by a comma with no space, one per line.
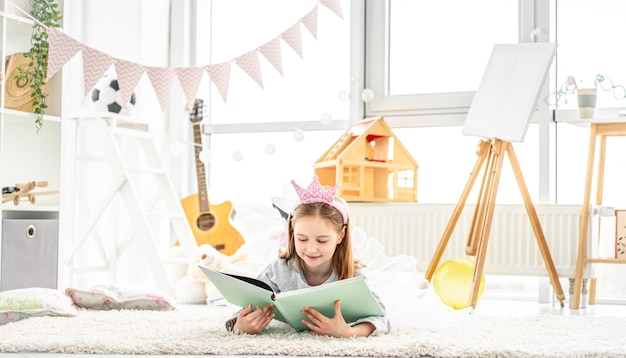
(436,52)
(425,60)
(582,56)
(254,167)
(310,88)
(461,43)
(406,179)
(262,137)
(408,42)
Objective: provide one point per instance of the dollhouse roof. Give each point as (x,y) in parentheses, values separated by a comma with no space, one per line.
(350,144)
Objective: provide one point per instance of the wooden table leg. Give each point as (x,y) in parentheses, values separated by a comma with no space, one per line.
(584,221)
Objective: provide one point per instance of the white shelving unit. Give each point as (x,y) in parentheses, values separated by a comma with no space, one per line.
(92,243)
(29,232)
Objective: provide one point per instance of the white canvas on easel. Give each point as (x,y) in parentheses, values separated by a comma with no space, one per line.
(504,103)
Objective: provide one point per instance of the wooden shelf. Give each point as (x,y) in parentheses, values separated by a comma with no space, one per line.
(604,260)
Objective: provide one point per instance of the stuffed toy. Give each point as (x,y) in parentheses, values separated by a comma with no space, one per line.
(195,286)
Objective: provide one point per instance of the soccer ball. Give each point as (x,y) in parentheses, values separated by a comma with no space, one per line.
(106,97)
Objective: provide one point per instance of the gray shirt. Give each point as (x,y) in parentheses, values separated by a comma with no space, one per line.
(284,278)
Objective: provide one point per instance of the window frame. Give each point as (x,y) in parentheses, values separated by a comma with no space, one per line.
(445,109)
(420,109)
(437,109)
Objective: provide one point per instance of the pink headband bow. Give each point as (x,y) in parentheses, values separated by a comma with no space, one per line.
(316,193)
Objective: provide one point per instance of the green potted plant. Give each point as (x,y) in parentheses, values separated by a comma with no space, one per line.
(47,13)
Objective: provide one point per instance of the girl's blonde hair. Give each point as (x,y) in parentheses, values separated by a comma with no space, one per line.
(343,262)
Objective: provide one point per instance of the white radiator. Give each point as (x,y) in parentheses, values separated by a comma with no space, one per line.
(416,229)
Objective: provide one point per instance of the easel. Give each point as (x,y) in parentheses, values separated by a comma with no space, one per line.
(491,155)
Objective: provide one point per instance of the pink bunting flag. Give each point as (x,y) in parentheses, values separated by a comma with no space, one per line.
(249,62)
(220,76)
(61,49)
(293,38)
(334,6)
(189,78)
(128,75)
(310,22)
(272,53)
(161,79)
(95,64)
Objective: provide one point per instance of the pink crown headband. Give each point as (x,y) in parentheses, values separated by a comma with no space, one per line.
(316,193)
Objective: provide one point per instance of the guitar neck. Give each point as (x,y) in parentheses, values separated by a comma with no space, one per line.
(203,198)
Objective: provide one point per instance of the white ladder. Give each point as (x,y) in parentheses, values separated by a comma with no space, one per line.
(128,181)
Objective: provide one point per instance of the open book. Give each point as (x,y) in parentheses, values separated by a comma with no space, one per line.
(357,301)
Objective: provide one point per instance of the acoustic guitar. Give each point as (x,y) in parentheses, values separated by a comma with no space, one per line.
(210,223)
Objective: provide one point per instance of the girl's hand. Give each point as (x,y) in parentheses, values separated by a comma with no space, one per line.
(253,322)
(322,325)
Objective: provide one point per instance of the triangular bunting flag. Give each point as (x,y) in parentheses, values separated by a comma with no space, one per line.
(334,6)
(128,75)
(220,76)
(249,62)
(95,64)
(162,79)
(61,49)
(272,53)
(293,38)
(189,78)
(310,22)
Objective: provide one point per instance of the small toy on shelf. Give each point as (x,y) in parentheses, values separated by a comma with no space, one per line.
(25,191)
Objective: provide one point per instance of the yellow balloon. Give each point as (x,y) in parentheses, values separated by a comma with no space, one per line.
(453,282)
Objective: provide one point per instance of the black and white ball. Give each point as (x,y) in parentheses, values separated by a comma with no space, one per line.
(106,97)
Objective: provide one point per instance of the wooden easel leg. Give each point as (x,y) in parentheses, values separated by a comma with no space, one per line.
(584,221)
(536,225)
(482,153)
(486,216)
(601,164)
(478,218)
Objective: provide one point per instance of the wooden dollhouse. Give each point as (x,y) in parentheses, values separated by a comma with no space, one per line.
(370,163)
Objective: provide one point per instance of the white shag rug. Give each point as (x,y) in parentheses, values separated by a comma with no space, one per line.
(201,332)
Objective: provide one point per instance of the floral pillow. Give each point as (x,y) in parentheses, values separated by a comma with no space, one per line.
(117,297)
(23,303)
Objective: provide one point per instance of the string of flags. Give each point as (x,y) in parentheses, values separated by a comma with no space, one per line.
(62,48)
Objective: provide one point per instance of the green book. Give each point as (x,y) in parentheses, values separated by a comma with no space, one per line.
(357,301)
